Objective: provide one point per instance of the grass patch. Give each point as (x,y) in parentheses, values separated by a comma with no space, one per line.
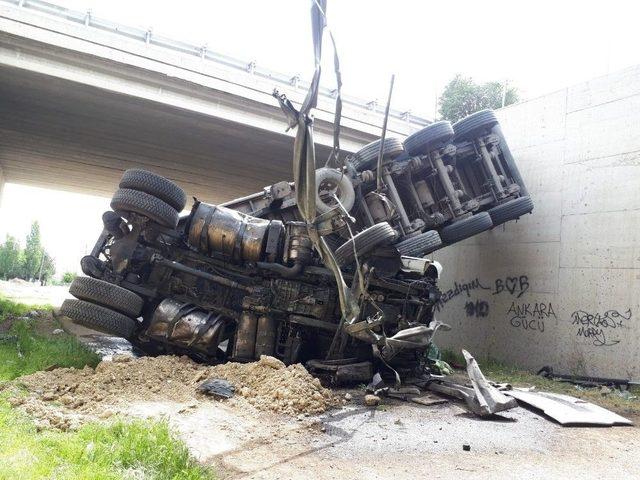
(503,373)
(9,308)
(137,449)
(24,351)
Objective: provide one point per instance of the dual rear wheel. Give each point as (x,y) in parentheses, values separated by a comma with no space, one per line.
(103,306)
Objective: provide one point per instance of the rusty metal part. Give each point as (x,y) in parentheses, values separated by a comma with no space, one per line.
(187,326)
(245,341)
(198,273)
(265,336)
(299,245)
(236,235)
(378,207)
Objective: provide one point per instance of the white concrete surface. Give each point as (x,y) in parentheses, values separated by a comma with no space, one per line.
(578,254)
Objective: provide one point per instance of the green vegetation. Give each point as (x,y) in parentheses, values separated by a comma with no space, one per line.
(67,277)
(32,263)
(462,96)
(23,351)
(117,450)
(502,373)
(138,449)
(28,346)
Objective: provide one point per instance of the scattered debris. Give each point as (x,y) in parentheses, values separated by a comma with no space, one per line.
(371,400)
(482,398)
(490,399)
(568,410)
(57,331)
(217,388)
(428,400)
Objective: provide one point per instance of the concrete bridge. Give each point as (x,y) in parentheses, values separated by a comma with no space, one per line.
(82,99)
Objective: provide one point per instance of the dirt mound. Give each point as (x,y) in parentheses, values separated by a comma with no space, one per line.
(268,385)
(65,397)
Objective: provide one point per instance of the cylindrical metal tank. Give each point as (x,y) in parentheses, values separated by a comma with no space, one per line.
(234,234)
(188,326)
(245,342)
(266,336)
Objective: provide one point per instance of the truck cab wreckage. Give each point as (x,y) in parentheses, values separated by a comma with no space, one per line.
(329,270)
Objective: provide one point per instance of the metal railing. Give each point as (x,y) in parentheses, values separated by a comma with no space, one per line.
(250,68)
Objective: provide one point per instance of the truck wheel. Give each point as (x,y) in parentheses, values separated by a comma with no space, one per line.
(330,179)
(364,242)
(160,187)
(367,157)
(107,295)
(420,244)
(510,210)
(98,318)
(475,125)
(430,138)
(467,227)
(126,200)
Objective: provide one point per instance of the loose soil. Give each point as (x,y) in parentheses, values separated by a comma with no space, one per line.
(64,398)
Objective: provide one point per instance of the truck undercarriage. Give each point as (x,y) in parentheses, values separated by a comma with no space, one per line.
(251,277)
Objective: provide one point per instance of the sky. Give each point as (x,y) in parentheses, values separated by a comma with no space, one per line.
(537,46)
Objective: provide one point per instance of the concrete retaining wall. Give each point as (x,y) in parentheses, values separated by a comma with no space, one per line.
(560,287)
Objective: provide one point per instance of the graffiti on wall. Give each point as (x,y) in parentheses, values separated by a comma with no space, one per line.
(478,309)
(513,285)
(602,330)
(460,288)
(530,316)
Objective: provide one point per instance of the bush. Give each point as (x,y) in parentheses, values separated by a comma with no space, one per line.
(68,277)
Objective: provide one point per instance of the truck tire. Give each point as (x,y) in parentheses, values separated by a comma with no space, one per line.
(335,180)
(431,137)
(98,318)
(364,242)
(107,295)
(510,210)
(367,157)
(420,244)
(160,187)
(127,200)
(466,227)
(475,125)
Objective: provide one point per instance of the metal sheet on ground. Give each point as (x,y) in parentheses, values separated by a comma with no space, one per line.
(568,410)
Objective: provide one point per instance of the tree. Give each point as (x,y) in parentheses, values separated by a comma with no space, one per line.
(10,257)
(33,253)
(48,268)
(462,97)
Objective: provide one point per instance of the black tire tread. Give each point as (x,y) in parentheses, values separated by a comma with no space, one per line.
(431,137)
(474,125)
(98,318)
(466,227)
(127,200)
(420,244)
(511,210)
(367,156)
(365,241)
(107,295)
(156,185)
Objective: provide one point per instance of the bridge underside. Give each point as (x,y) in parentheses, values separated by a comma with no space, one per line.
(60,134)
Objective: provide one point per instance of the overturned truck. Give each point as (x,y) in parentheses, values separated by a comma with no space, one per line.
(235,281)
